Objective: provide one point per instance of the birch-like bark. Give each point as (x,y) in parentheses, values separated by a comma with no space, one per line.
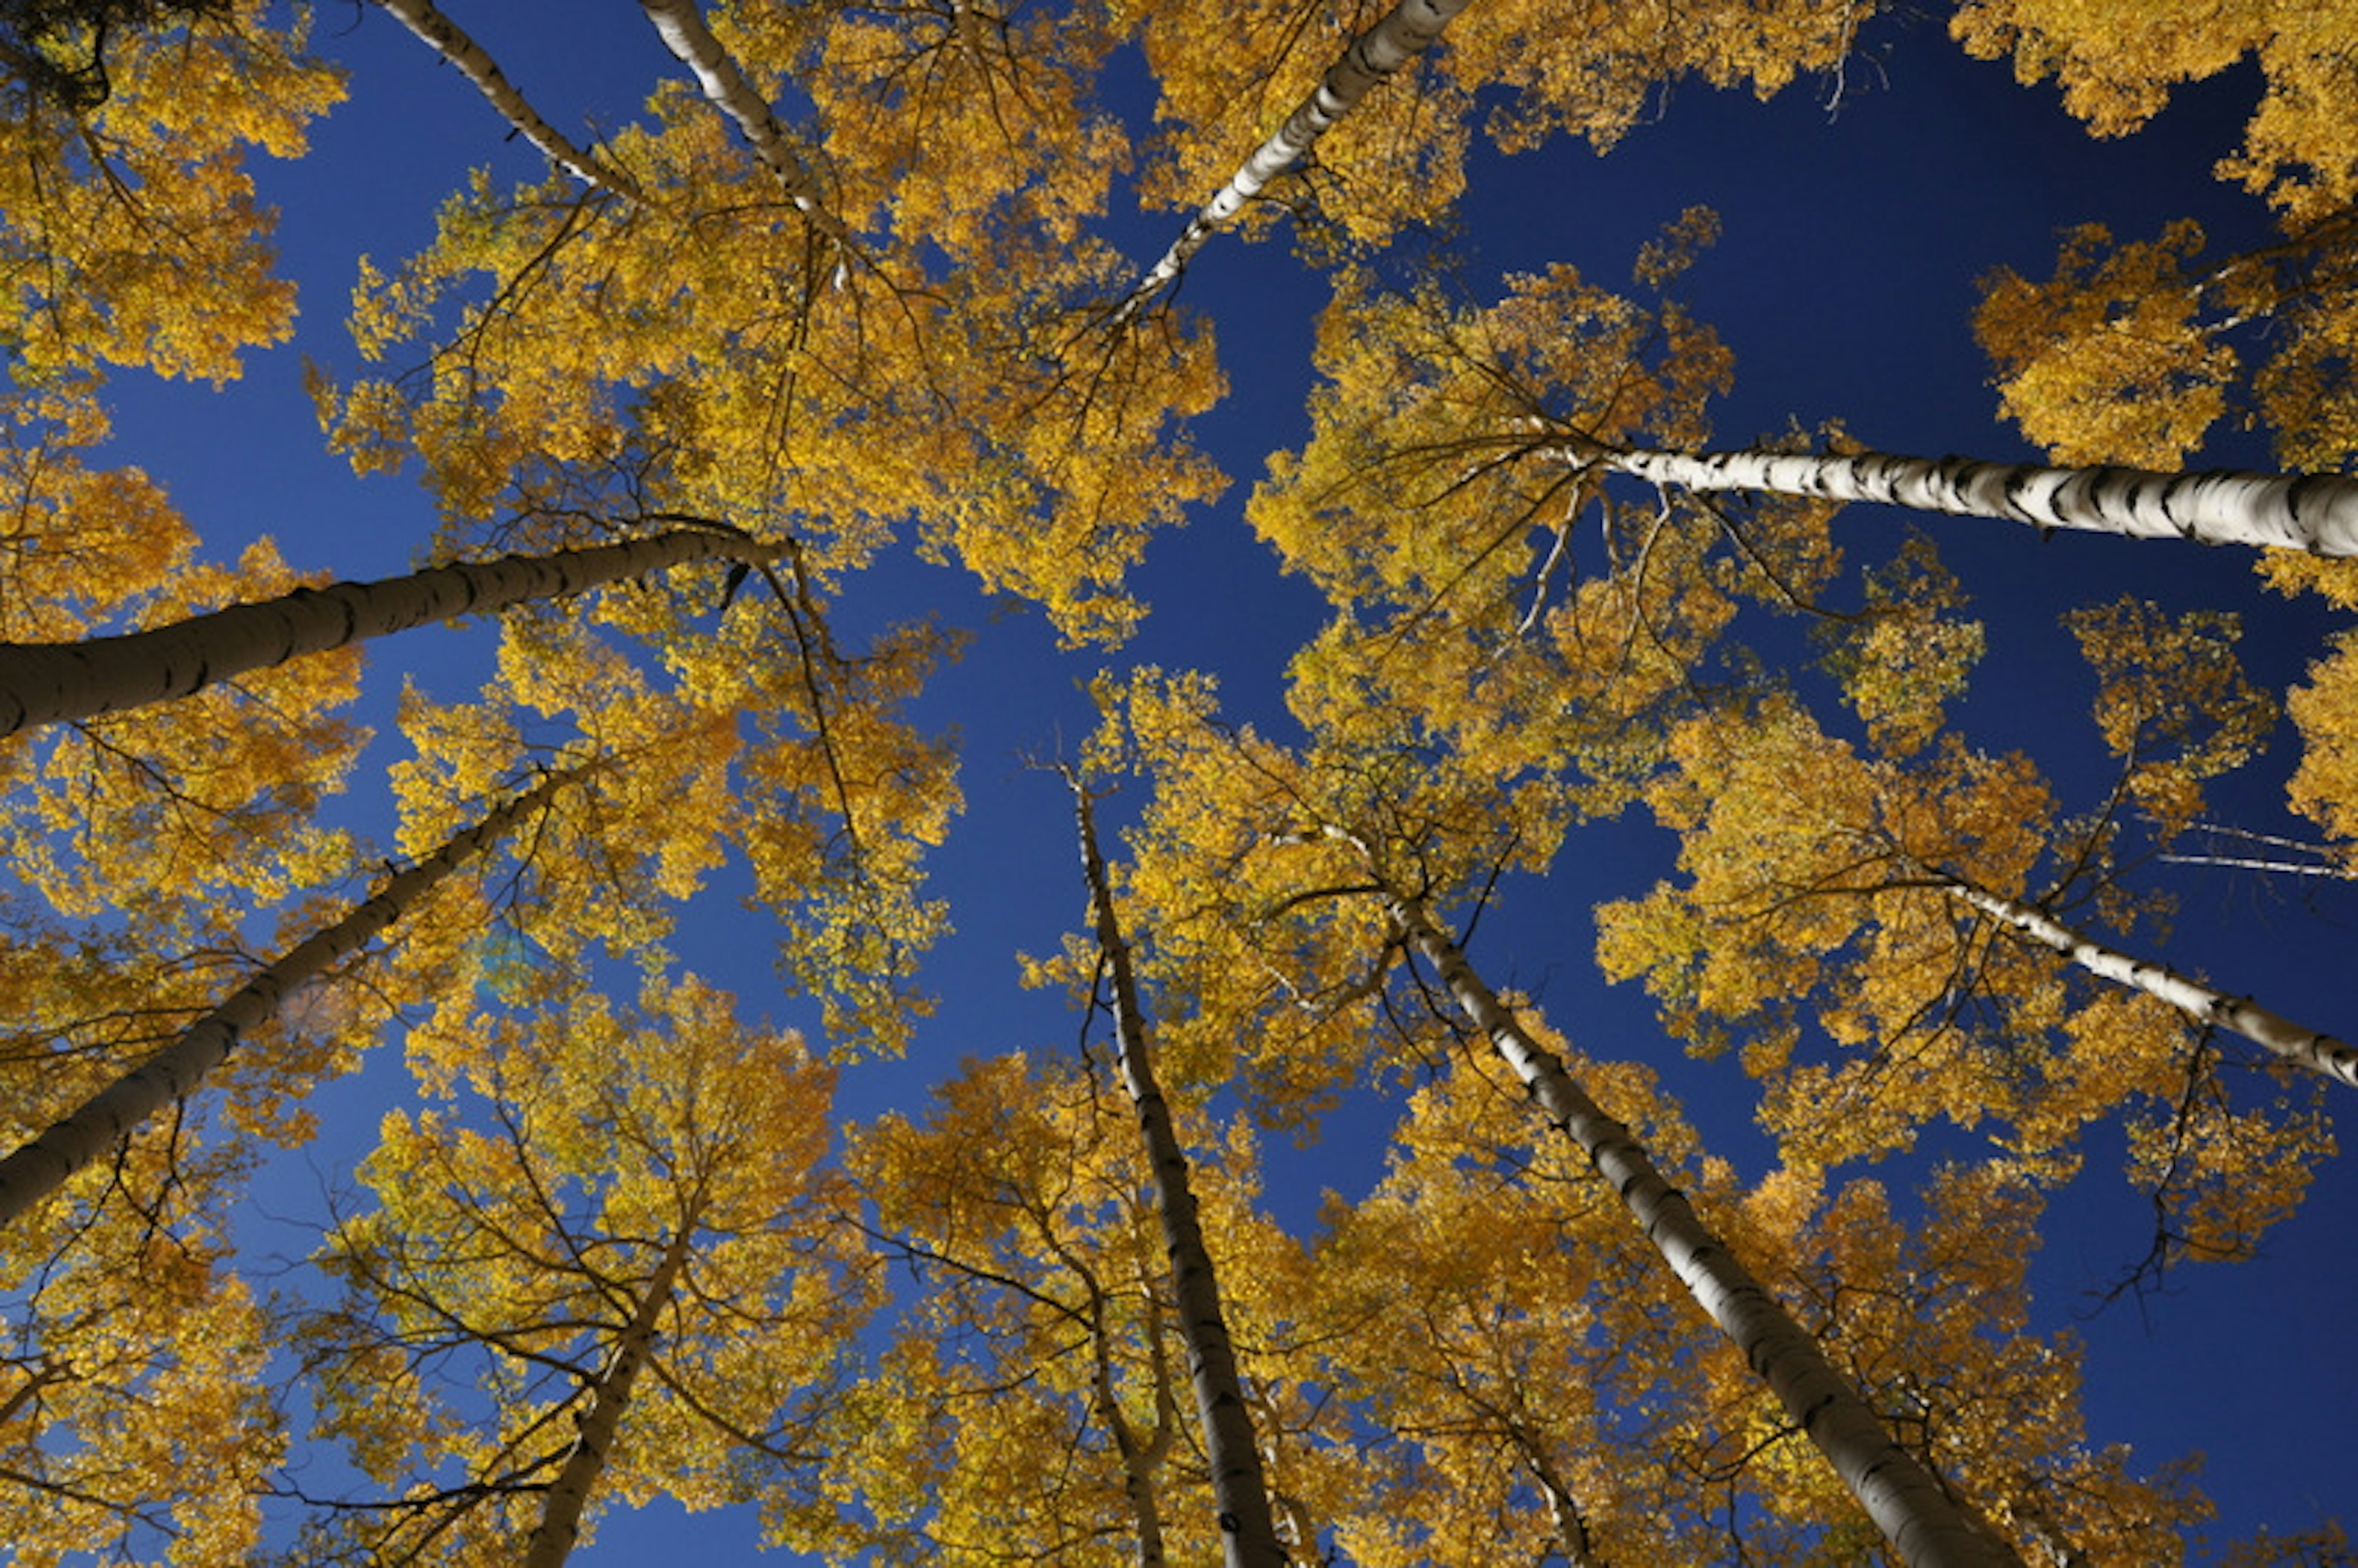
(2319,1052)
(1565,1516)
(1138,1460)
(1405,33)
(2314,513)
(174,1073)
(450,40)
(42,683)
(681,24)
(1248,1529)
(560,1512)
(1925,1527)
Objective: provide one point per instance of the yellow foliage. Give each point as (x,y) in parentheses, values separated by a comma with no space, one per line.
(517,1225)
(2118,60)
(132,234)
(2172,702)
(2111,361)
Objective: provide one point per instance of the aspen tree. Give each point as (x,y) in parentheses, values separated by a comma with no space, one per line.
(2315,514)
(1402,34)
(1248,835)
(41,1167)
(680,24)
(1034,1390)
(1908,1504)
(560,1516)
(1248,1536)
(42,684)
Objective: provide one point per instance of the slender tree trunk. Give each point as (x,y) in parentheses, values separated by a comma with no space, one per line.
(2318,1051)
(560,1514)
(1247,1529)
(1405,33)
(1138,1460)
(681,24)
(2314,513)
(42,683)
(1565,1516)
(447,39)
(173,1072)
(1925,1527)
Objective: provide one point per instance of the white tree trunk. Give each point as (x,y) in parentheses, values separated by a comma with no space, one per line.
(1248,1529)
(1405,33)
(681,24)
(447,39)
(2318,1051)
(42,683)
(560,1513)
(2316,512)
(1925,1527)
(174,1073)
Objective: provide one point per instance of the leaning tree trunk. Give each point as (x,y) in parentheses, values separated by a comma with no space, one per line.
(1925,1527)
(1405,33)
(450,40)
(173,1072)
(681,24)
(2318,1051)
(2314,513)
(560,1513)
(42,683)
(1247,1529)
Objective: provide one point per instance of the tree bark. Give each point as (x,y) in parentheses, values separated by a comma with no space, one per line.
(1925,1527)
(2314,513)
(447,39)
(42,683)
(1405,33)
(560,1514)
(173,1072)
(1248,1529)
(681,24)
(2309,1048)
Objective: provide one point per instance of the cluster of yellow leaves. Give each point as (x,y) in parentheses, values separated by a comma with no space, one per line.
(1817,891)
(1821,904)
(768,740)
(1036,1389)
(1930,1320)
(2172,702)
(130,235)
(135,1417)
(1904,656)
(711,352)
(1536,1391)
(2118,60)
(950,114)
(1440,504)
(517,1225)
(2131,352)
(2113,359)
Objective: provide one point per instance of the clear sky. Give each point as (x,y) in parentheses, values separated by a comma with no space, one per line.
(1853,235)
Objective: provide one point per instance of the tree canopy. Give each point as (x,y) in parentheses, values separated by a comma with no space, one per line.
(1648,980)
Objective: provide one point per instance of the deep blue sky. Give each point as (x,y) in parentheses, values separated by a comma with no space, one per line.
(1843,282)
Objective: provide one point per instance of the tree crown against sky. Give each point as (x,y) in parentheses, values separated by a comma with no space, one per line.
(520,1082)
